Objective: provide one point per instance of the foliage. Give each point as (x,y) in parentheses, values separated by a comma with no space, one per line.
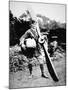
(18,27)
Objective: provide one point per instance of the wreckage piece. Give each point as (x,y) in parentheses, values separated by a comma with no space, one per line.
(49,63)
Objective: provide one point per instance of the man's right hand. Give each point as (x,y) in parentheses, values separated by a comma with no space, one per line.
(41,40)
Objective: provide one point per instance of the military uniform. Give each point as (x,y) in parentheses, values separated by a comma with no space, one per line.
(37,51)
(30,52)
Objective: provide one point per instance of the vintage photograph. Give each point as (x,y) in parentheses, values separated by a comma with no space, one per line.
(37,44)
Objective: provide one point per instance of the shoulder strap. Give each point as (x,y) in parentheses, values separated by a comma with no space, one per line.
(34,33)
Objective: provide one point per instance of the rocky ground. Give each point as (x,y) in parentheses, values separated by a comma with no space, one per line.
(19,75)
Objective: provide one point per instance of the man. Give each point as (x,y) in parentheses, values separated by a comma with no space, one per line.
(30,45)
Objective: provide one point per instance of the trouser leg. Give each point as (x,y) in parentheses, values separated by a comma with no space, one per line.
(30,68)
(42,71)
(41,68)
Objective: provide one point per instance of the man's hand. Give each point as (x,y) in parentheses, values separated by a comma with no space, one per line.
(23,46)
(22,43)
(41,40)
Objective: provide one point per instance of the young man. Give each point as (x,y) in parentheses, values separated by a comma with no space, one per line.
(30,45)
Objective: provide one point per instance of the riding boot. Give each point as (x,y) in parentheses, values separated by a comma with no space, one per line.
(42,71)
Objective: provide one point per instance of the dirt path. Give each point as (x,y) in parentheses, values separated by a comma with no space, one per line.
(21,79)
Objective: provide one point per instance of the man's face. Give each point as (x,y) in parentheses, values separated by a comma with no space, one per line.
(27,18)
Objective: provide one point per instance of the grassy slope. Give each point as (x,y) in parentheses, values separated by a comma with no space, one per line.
(20,79)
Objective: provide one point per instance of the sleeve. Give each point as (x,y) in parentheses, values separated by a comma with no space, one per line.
(25,36)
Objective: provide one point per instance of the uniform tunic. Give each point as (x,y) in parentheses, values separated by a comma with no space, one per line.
(38,52)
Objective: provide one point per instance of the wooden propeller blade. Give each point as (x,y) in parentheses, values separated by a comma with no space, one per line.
(50,65)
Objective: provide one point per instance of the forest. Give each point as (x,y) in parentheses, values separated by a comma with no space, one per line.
(17,27)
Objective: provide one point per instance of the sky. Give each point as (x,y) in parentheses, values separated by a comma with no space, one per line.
(52,11)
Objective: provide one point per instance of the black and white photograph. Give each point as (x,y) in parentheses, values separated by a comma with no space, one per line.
(37,44)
